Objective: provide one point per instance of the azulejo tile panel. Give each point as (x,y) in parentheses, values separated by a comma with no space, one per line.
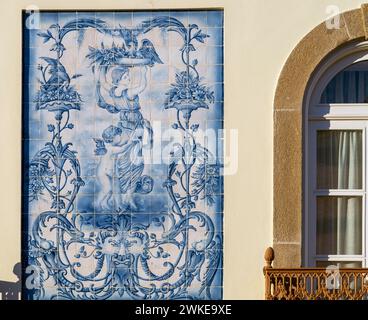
(122,155)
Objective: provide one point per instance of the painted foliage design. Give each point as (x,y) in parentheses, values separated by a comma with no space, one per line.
(127,228)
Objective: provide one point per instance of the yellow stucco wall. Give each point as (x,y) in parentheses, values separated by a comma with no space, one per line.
(259,35)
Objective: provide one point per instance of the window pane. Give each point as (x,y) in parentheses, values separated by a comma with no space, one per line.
(340,264)
(339,225)
(339,159)
(348,86)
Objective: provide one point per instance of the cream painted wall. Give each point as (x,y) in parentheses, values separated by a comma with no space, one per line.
(259,36)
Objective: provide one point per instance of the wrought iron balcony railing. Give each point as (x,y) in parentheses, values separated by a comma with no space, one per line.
(314,283)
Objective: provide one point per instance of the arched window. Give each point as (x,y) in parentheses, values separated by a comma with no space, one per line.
(336,172)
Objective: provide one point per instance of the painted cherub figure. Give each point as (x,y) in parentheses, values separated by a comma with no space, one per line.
(119,172)
(109,147)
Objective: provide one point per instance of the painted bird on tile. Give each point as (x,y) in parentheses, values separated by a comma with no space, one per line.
(147,51)
(58,74)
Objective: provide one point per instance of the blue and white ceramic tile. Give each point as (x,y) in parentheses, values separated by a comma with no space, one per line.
(122,148)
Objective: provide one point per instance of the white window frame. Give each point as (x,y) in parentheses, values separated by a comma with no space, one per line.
(319,116)
(314,193)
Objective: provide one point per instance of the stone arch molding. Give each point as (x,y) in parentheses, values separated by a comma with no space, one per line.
(288,129)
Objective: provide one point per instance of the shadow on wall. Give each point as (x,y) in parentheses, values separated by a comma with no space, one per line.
(11,290)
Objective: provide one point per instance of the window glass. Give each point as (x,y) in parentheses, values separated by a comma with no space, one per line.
(339,159)
(339,225)
(348,86)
